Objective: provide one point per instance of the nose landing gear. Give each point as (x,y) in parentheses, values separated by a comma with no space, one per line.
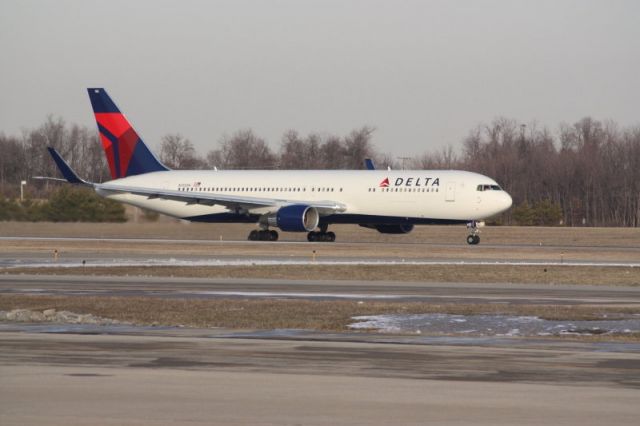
(473,238)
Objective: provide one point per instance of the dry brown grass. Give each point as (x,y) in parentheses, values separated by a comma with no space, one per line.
(585,275)
(279,314)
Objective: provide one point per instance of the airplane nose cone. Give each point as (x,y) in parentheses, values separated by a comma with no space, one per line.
(508,201)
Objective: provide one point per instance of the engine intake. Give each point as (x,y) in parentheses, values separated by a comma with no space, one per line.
(295,218)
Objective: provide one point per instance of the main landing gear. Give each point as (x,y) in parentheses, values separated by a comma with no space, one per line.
(322,236)
(263,235)
(473,238)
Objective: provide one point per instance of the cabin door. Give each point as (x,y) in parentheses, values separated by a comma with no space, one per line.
(450,192)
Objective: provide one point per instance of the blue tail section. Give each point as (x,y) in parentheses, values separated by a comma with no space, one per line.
(126,153)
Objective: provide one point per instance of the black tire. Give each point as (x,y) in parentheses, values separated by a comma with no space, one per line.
(476,239)
(253,235)
(273,236)
(311,237)
(331,236)
(471,239)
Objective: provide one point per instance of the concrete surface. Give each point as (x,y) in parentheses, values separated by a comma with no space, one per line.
(51,379)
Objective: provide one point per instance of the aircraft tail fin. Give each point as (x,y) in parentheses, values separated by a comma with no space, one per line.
(126,153)
(368,164)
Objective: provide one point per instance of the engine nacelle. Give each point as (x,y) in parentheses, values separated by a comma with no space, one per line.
(403,228)
(295,218)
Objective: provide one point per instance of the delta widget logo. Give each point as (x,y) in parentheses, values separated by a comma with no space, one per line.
(411,181)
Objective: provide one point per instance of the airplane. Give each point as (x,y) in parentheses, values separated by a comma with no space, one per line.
(389,201)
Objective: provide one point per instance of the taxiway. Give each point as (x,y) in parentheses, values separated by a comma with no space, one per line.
(275,288)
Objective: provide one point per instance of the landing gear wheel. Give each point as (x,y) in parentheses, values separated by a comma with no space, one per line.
(263,235)
(473,239)
(321,236)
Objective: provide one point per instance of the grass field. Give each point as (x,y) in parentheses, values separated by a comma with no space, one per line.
(591,275)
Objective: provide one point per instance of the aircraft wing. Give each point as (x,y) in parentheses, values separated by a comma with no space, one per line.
(232,202)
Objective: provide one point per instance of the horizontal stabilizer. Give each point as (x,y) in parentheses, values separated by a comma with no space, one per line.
(65,169)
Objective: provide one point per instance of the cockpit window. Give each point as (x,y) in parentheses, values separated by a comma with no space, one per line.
(488,188)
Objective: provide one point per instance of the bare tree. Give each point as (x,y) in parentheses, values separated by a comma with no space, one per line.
(358,146)
(293,151)
(179,153)
(243,150)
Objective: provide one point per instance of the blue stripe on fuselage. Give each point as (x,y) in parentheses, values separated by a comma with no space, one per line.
(354,219)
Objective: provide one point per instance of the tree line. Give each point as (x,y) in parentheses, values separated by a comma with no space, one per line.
(587,173)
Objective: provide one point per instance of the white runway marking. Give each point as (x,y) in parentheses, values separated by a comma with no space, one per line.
(25,263)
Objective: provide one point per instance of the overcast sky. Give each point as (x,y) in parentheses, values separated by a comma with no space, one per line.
(422,72)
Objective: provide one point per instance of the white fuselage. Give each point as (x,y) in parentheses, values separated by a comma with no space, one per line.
(417,195)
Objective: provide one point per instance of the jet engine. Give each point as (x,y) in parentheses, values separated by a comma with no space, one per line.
(295,218)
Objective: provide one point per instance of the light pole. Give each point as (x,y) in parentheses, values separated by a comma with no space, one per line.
(22,184)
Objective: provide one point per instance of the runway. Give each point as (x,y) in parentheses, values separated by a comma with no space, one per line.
(56,379)
(360,290)
(16,252)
